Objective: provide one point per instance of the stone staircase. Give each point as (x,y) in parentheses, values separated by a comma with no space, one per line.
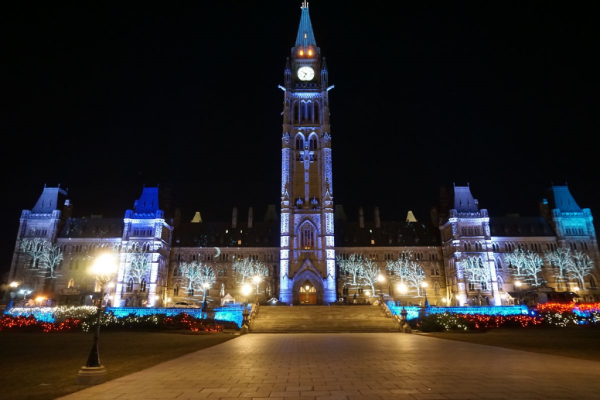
(321,319)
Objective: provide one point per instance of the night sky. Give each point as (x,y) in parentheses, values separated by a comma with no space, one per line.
(104,97)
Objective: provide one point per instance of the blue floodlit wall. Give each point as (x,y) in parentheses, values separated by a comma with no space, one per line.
(231,313)
(47,314)
(413,312)
(44,314)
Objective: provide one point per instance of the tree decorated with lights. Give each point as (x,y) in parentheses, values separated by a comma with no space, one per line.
(474,270)
(533,268)
(369,273)
(581,267)
(526,265)
(352,265)
(34,248)
(561,259)
(51,258)
(44,254)
(192,272)
(516,261)
(246,268)
(400,267)
(414,275)
(207,278)
(139,261)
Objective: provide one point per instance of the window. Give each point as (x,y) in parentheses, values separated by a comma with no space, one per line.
(143,285)
(307,233)
(299,143)
(312,143)
(471,286)
(71,283)
(593,283)
(176,290)
(130,285)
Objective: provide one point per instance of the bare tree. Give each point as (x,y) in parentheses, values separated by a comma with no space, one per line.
(206,279)
(139,261)
(43,253)
(244,268)
(192,272)
(369,273)
(581,267)
(353,265)
(561,259)
(34,248)
(526,265)
(51,258)
(533,267)
(517,260)
(414,275)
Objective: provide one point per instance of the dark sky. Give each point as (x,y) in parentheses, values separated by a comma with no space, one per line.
(104,97)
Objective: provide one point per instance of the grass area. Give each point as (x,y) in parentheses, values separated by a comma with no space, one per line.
(575,342)
(38,366)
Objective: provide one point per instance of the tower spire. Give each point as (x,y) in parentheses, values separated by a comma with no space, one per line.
(306,36)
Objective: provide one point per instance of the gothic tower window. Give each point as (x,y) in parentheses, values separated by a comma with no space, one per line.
(307,236)
(143,285)
(313,143)
(176,290)
(317,113)
(299,143)
(130,285)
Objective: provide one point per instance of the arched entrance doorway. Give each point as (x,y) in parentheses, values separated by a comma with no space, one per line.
(308,294)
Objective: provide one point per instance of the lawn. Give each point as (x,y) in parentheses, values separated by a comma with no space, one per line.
(45,365)
(575,342)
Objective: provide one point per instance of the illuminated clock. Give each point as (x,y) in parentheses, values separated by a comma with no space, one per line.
(306,73)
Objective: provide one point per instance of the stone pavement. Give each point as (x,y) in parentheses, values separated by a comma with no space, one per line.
(355,366)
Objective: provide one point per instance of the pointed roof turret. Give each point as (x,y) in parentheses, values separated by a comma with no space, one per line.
(49,201)
(306,36)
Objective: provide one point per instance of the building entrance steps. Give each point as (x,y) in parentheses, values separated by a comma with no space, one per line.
(319,319)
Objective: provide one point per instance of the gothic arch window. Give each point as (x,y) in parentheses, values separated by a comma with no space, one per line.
(593,283)
(500,283)
(71,283)
(317,113)
(436,289)
(143,285)
(307,236)
(313,143)
(471,286)
(176,290)
(299,142)
(130,285)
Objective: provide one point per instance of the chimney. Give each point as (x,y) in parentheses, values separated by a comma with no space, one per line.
(361,218)
(377,219)
(234,218)
(250,218)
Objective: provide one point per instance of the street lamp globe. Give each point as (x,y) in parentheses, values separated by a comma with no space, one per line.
(402,288)
(518,283)
(14,284)
(256,279)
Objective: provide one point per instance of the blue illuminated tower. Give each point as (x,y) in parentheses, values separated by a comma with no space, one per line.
(307,238)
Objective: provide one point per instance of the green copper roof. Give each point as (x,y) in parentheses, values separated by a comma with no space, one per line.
(306,36)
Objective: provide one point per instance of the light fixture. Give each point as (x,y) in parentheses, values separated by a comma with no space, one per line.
(402,288)
(307,287)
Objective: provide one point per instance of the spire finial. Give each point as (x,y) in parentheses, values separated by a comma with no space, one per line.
(305,4)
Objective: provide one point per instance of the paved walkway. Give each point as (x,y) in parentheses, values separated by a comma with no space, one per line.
(367,366)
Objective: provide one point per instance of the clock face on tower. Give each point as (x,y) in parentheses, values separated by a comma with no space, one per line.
(306,73)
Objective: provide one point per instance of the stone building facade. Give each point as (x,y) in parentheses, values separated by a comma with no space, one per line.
(305,243)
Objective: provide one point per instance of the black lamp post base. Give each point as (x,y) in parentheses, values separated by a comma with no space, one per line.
(91,375)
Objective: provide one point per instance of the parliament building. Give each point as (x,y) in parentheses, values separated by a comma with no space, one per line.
(307,241)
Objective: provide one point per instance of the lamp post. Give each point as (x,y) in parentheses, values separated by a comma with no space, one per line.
(205,287)
(256,279)
(103,270)
(246,290)
(380,279)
